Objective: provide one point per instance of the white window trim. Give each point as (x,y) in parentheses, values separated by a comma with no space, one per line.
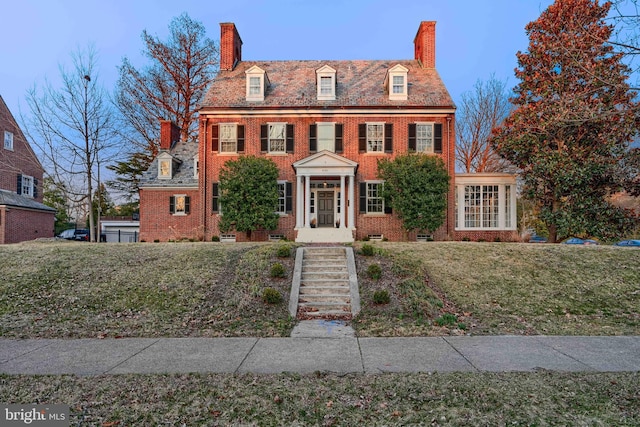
(432,124)
(332,125)
(220,149)
(258,72)
(175,207)
(8,140)
(381,213)
(461,183)
(397,71)
(326,71)
(196,166)
(284,204)
(284,150)
(28,187)
(381,151)
(165,158)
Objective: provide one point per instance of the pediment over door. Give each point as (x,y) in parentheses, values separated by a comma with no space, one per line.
(325,163)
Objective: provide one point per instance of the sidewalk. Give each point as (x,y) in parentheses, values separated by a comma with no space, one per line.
(342,354)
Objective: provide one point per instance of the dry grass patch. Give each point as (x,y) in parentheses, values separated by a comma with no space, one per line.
(469,399)
(73,290)
(503,288)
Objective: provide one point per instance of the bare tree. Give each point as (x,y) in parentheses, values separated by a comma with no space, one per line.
(169,89)
(624,15)
(72,127)
(480,111)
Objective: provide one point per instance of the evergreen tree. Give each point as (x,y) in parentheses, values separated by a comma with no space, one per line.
(574,118)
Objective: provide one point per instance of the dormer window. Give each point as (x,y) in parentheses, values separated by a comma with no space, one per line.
(396,82)
(326,83)
(165,166)
(257,83)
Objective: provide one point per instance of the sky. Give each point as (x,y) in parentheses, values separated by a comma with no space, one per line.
(475,39)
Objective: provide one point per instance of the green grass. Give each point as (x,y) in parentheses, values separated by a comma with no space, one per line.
(453,399)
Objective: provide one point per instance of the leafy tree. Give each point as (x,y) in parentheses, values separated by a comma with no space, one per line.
(169,88)
(479,111)
(53,196)
(248,194)
(573,121)
(73,128)
(416,186)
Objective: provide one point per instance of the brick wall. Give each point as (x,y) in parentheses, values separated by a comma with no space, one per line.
(19,225)
(157,223)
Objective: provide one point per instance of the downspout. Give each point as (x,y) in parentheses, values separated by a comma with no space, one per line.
(449,228)
(204,177)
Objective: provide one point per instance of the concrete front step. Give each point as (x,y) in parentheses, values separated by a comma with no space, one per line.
(324,290)
(317,275)
(324,267)
(321,298)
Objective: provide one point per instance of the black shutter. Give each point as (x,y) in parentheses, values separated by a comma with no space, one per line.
(388,138)
(35,188)
(240,138)
(412,137)
(172,204)
(339,145)
(214,199)
(289,144)
(437,138)
(187,203)
(313,138)
(288,190)
(215,138)
(362,137)
(363,197)
(19,188)
(264,138)
(387,209)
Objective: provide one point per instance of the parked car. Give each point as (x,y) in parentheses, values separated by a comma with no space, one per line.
(578,241)
(537,239)
(81,234)
(628,243)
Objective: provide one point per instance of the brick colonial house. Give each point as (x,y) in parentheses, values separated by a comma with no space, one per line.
(22,214)
(325,124)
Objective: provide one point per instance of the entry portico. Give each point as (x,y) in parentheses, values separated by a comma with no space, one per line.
(325,197)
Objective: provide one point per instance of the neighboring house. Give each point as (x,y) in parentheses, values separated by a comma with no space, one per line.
(325,124)
(23,216)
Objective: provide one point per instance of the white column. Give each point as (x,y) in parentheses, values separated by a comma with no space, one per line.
(307,201)
(343,202)
(351,203)
(299,202)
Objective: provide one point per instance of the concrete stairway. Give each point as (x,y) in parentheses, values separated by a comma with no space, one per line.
(325,284)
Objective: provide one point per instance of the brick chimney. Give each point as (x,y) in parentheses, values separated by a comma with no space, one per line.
(169,134)
(230,46)
(425,44)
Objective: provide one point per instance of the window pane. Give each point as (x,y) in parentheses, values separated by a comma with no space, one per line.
(398,84)
(8,140)
(326,86)
(180,204)
(281,208)
(326,139)
(277,137)
(424,138)
(228,138)
(374,198)
(472,206)
(375,136)
(254,85)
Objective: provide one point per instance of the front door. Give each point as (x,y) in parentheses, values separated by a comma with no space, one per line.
(325,208)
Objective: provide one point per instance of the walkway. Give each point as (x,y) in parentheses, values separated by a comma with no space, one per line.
(342,354)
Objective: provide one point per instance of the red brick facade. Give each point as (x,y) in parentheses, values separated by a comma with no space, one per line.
(247,98)
(22,216)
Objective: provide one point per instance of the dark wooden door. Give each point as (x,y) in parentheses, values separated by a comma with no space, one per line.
(325,209)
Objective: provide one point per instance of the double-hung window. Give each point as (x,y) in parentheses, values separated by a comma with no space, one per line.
(8,140)
(228,138)
(375,137)
(371,200)
(277,137)
(424,138)
(398,85)
(255,86)
(179,204)
(284,198)
(27,186)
